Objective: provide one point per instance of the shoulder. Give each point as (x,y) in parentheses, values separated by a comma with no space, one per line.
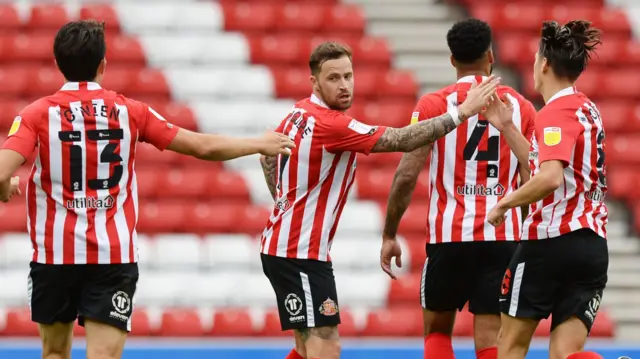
(38,109)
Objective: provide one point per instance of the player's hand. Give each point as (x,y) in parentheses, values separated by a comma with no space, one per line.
(479,95)
(390,248)
(14,188)
(273,144)
(496,216)
(499,113)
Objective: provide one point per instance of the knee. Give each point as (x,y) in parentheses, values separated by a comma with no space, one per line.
(56,350)
(103,352)
(438,322)
(511,344)
(334,349)
(485,331)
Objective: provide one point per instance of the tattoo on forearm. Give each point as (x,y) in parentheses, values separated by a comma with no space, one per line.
(409,138)
(269,168)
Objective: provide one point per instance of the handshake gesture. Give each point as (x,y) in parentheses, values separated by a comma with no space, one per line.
(483,99)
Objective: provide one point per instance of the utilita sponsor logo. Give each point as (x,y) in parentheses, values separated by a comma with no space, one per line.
(480,190)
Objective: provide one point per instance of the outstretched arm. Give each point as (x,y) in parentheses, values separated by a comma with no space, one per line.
(269,167)
(412,137)
(10,161)
(213,147)
(404,183)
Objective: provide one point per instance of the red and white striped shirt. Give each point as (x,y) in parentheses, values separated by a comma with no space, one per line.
(471,169)
(314,181)
(82,200)
(570,130)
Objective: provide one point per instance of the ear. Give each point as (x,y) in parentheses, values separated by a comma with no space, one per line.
(545,65)
(490,56)
(314,82)
(452,60)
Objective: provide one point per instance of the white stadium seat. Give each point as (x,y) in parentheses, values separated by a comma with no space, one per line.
(220,48)
(362,289)
(231,81)
(176,251)
(165,288)
(142,17)
(231,252)
(254,290)
(16,250)
(15,286)
(235,116)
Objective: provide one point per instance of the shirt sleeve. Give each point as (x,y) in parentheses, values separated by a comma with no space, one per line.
(429,106)
(528,114)
(345,133)
(22,135)
(155,129)
(557,134)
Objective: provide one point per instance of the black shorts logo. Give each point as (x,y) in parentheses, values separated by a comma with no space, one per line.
(329,308)
(592,308)
(121,306)
(293,304)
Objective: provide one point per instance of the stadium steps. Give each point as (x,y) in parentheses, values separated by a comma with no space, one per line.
(416,31)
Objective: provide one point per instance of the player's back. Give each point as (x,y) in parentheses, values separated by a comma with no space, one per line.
(82,193)
(569,128)
(471,168)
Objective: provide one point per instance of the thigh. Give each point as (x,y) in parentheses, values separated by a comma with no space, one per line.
(56,338)
(447,277)
(584,281)
(108,295)
(104,340)
(493,261)
(529,284)
(54,292)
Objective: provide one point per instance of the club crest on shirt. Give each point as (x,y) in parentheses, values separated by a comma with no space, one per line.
(362,128)
(15,126)
(415,117)
(552,136)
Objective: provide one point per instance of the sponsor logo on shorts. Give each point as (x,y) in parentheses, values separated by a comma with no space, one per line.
(329,308)
(592,309)
(293,305)
(121,305)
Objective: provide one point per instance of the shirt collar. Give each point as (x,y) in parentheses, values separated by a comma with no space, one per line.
(469,79)
(76,86)
(316,100)
(564,92)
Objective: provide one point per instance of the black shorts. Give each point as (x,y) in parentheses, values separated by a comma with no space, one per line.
(562,277)
(305,290)
(461,272)
(100,292)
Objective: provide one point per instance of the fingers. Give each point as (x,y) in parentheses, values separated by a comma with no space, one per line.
(284,151)
(399,261)
(387,269)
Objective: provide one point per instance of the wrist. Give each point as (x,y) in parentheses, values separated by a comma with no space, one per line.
(463,113)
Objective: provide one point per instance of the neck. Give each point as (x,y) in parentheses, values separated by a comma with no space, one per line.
(553,87)
(463,73)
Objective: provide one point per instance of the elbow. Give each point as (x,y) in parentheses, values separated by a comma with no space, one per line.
(554,181)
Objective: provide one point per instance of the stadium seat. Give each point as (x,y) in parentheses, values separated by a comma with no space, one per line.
(623,149)
(394,322)
(368,289)
(125,50)
(19,324)
(147,155)
(180,323)
(140,323)
(9,109)
(49,17)
(15,286)
(406,290)
(101,12)
(622,183)
(231,251)
(162,216)
(344,18)
(9,18)
(176,251)
(15,250)
(463,326)
(249,17)
(272,326)
(299,18)
(232,322)
(13,216)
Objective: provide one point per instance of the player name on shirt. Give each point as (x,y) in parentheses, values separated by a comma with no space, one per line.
(90,110)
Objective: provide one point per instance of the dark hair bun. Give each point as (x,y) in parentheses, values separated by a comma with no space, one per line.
(576,37)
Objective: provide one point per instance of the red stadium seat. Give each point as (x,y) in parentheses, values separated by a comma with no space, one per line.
(163,216)
(400,84)
(44,81)
(348,326)
(228,184)
(150,82)
(176,113)
(344,18)
(232,323)
(147,154)
(19,324)
(272,326)
(611,81)
(9,109)
(249,17)
(14,214)
(367,80)
(394,322)
(149,182)
(47,17)
(387,113)
(101,12)
(372,51)
(416,243)
(374,184)
(405,290)
(140,324)
(118,79)
(185,183)
(463,326)
(518,50)
(622,183)
(623,150)
(180,323)
(252,217)
(35,48)
(294,17)
(126,50)
(78,331)
(277,50)
(14,82)
(9,18)
(210,218)
(618,117)
(291,83)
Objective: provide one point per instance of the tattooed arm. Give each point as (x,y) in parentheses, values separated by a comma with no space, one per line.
(404,182)
(269,168)
(412,137)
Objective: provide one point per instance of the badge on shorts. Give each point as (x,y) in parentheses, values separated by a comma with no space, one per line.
(15,126)
(415,117)
(552,136)
(329,308)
